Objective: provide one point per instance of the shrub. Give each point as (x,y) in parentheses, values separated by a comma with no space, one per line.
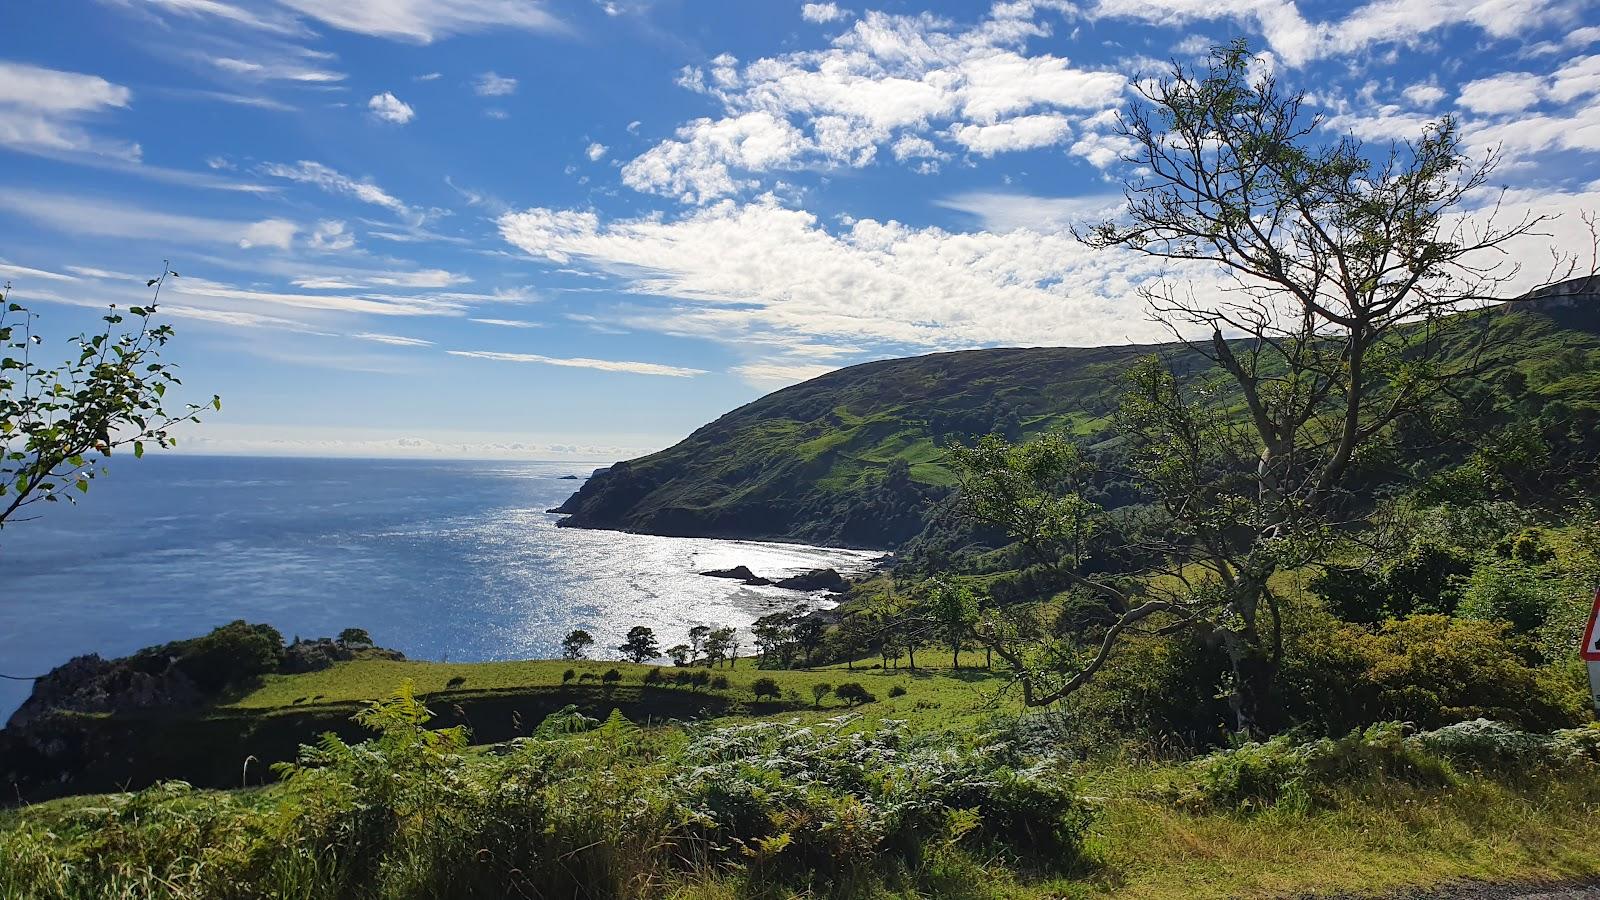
(568,675)
(1303,774)
(765,687)
(235,655)
(611,676)
(703,678)
(1487,745)
(898,690)
(719,682)
(818,691)
(823,798)
(654,676)
(1428,670)
(853,693)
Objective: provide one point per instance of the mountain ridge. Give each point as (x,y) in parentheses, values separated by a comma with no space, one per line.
(855,457)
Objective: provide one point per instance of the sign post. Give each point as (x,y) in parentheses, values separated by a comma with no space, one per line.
(1591,652)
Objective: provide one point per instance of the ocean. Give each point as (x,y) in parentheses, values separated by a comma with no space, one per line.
(452,560)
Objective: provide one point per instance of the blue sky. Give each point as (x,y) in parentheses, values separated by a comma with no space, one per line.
(583,228)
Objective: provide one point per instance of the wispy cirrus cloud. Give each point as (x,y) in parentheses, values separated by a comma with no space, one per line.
(579,362)
(42,111)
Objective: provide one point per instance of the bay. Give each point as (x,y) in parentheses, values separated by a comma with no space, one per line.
(454,560)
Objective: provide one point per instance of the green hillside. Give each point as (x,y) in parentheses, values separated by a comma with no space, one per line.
(855,457)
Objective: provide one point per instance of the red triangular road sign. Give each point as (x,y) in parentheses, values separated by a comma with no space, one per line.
(1591,634)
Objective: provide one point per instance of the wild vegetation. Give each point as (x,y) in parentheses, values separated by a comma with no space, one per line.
(1289,605)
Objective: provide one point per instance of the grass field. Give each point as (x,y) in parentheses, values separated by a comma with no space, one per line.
(934,698)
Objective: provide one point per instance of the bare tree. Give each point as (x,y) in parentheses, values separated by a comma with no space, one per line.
(1359,287)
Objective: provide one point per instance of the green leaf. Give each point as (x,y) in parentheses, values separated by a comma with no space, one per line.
(138,449)
(83,485)
(216,402)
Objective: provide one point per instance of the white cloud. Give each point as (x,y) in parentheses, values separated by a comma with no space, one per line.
(431,76)
(87,216)
(759,269)
(1579,77)
(887,81)
(1021,133)
(1299,41)
(595,151)
(40,109)
(1009,212)
(424,21)
(390,108)
(393,340)
(700,164)
(780,374)
(578,362)
(822,13)
(330,234)
(11,271)
(509,323)
(1504,93)
(1423,94)
(277,233)
(238,15)
(335,182)
(274,70)
(491,85)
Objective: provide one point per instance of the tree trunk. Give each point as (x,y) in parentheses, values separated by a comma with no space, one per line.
(912,652)
(955,657)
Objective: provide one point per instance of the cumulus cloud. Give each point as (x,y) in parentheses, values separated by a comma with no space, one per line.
(1298,41)
(760,269)
(1504,93)
(490,84)
(896,81)
(822,13)
(1021,133)
(41,109)
(595,151)
(1423,94)
(579,362)
(390,108)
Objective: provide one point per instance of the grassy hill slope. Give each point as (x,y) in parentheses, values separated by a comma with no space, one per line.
(853,457)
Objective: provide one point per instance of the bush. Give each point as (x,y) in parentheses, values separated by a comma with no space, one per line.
(826,799)
(898,690)
(235,655)
(611,676)
(719,682)
(853,693)
(765,687)
(568,675)
(1429,670)
(1306,774)
(654,676)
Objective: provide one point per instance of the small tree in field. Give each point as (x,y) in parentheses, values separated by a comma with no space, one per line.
(355,637)
(765,688)
(576,644)
(818,691)
(853,693)
(1351,309)
(59,423)
(953,610)
(640,645)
